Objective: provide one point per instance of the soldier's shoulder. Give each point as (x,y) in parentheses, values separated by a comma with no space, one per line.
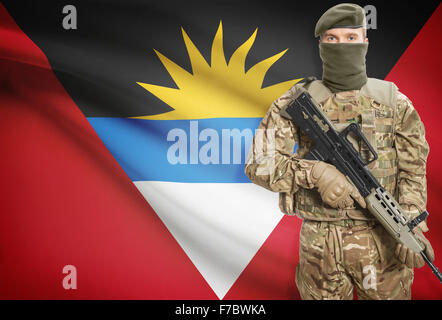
(303,83)
(382,91)
(387,90)
(315,88)
(403,101)
(401,97)
(289,95)
(297,86)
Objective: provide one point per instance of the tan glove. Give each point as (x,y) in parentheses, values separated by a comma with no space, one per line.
(411,258)
(333,186)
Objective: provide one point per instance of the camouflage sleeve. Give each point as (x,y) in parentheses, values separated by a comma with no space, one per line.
(412,151)
(271,162)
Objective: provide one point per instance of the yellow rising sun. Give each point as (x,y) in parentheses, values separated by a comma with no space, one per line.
(221,90)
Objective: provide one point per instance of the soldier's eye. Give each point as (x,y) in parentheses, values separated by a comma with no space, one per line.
(331,38)
(351,38)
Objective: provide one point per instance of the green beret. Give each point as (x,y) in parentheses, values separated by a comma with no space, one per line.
(344,15)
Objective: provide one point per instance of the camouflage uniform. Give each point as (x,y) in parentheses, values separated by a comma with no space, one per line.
(334,257)
(336,244)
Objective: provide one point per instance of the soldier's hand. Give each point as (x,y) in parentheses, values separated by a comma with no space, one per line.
(411,258)
(333,186)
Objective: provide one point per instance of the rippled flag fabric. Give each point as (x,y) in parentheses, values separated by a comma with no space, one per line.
(125,142)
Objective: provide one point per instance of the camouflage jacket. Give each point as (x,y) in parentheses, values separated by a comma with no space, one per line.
(387,118)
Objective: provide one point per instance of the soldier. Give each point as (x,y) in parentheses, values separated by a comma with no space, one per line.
(341,244)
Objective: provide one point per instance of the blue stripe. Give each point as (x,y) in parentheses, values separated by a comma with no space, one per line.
(141,148)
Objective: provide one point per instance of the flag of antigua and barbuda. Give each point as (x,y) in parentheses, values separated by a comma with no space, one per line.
(125,127)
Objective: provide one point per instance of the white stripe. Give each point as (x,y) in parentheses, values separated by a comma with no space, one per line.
(220,226)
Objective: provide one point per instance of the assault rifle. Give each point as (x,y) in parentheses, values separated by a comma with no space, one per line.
(335,148)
